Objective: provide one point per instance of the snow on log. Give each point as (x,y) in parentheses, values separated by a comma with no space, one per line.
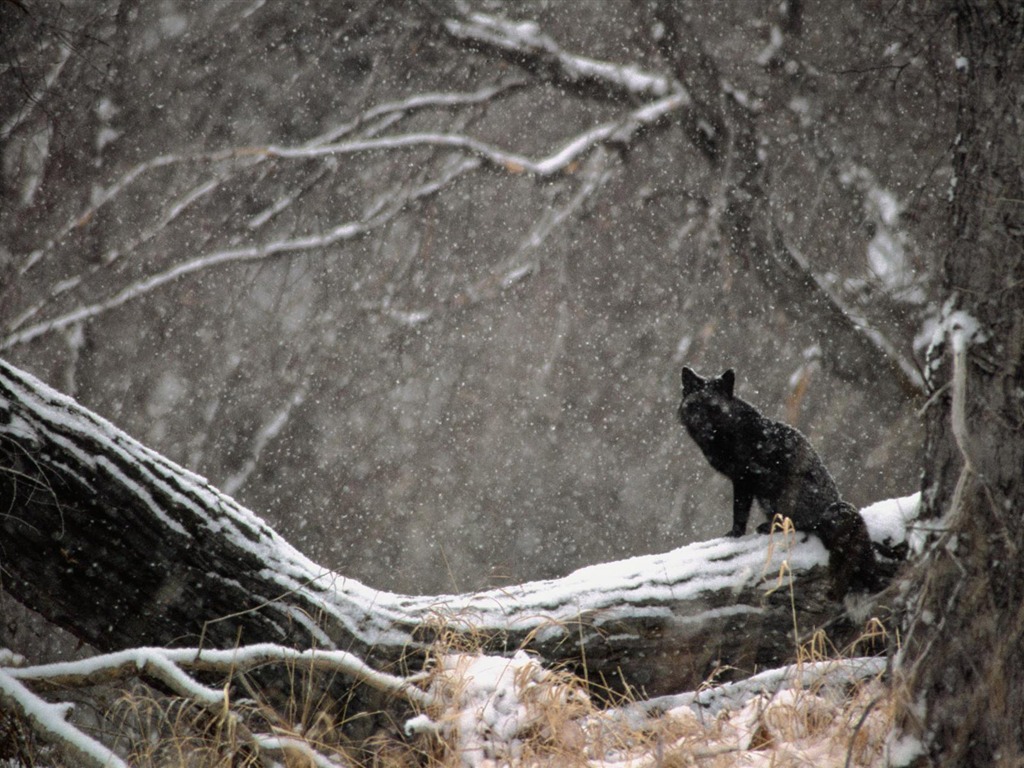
(124,548)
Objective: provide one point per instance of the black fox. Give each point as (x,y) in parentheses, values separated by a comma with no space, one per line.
(766,460)
(773,463)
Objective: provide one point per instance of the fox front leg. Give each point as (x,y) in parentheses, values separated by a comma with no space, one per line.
(742,500)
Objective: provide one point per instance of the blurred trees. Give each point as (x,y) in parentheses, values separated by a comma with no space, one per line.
(414,281)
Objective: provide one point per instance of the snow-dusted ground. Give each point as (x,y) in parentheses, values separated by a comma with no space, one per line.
(493,712)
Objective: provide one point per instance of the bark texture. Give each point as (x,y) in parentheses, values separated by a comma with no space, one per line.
(965,626)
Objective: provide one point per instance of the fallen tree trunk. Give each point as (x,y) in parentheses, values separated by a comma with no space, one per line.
(123,548)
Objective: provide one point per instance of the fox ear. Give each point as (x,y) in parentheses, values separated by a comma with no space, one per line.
(691,381)
(728,380)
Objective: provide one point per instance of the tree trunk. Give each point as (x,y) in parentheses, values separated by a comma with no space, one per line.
(123,548)
(964,634)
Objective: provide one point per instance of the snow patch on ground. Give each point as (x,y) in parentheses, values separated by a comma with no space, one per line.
(493,711)
(491,706)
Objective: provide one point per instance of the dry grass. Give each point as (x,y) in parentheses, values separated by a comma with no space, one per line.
(491,711)
(555,723)
(559,723)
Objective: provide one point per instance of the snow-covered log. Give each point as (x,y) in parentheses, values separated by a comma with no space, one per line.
(123,548)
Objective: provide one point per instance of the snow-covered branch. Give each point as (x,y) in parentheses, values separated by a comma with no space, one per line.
(618,131)
(246,157)
(854,350)
(836,315)
(397,109)
(525,40)
(50,722)
(190,198)
(169,666)
(483,707)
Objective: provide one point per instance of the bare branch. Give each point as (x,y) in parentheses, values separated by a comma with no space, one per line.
(21,115)
(102,199)
(519,266)
(854,351)
(269,431)
(383,210)
(413,104)
(62,287)
(835,315)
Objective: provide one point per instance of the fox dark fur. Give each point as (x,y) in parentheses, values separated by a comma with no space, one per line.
(774,464)
(766,460)
(851,558)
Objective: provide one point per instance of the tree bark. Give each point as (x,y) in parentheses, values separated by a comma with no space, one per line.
(123,548)
(964,633)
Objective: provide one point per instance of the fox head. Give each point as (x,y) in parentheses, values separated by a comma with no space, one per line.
(707,405)
(693,383)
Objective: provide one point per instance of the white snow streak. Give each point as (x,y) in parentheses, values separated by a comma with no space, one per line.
(51,720)
(526,36)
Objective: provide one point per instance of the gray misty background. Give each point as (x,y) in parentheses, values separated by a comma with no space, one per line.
(307,251)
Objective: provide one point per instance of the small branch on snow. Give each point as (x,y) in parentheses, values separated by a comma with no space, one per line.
(168,664)
(731,696)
